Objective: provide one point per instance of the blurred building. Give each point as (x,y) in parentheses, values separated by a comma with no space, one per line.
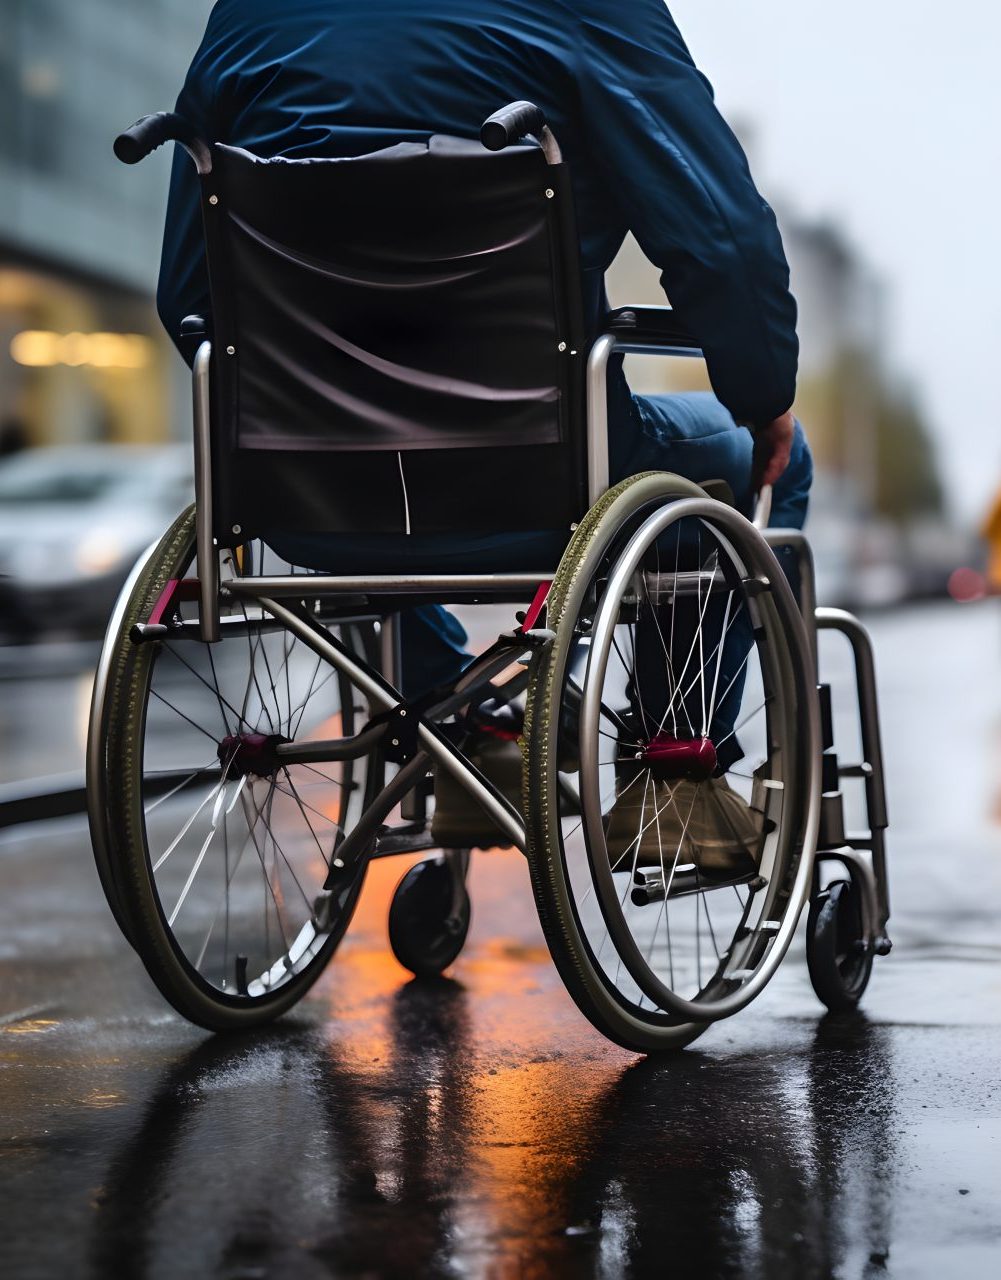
(82,356)
(841,308)
(841,318)
(876,504)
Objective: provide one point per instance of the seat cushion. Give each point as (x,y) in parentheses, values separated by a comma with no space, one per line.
(421,553)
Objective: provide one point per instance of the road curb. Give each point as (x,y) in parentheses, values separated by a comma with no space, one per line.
(35,799)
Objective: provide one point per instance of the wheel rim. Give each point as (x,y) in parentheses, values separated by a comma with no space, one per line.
(730,949)
(239,843)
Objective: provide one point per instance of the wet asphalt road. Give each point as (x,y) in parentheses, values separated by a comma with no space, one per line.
(477,1126)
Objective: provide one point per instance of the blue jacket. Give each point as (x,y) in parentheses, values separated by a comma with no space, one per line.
(647,149)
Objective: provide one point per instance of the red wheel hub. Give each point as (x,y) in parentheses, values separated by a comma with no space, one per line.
(251,753)
(669,758)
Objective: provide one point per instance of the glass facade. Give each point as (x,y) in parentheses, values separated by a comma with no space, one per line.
(81,355)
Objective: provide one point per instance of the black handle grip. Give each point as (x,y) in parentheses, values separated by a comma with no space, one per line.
(511,123)
(151,132)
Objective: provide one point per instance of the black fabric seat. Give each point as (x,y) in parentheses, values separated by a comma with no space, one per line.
(397,348)
(511,552)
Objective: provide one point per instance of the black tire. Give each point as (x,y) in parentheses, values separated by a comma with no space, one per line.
(582,573)
(430,914)
(837,955)
(125,863)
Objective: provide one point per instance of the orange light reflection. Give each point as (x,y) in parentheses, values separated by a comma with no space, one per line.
(505,1087)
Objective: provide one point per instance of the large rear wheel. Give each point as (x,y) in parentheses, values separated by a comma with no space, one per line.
(676,702)
(213,850)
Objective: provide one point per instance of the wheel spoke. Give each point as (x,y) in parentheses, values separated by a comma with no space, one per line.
(269,887)
(699,632)
(304,804)
(212,795)
(672,683)
(696,639)
(719,660)
(253,646)
(159,696)
(212,764)
(218,689)
(334,782)
(717,650)
(276,790)
(299,803)
(223,901)
(213,689)
(263,648)
(746,720)
(301,709)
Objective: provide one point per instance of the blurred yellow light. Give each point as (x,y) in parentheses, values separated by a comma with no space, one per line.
(38,348)
(35,348)
(74,349)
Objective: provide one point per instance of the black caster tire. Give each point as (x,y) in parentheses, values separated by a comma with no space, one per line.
(836,955)
(429,915)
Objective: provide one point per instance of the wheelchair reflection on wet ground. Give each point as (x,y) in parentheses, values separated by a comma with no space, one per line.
(401,1154)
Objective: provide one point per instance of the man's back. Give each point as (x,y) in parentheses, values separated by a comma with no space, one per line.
(648,152)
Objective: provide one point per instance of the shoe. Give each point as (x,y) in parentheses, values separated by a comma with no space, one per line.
(705,823)
(458,822)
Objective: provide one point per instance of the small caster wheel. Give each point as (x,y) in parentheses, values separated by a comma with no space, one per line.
(838,954)
(429,915)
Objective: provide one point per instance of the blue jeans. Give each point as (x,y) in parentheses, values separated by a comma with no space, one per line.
(694,436)
(690,434)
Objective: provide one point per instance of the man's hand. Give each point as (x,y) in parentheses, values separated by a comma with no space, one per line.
(772,447)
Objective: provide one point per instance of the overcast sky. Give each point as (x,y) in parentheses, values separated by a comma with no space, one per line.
(886,116)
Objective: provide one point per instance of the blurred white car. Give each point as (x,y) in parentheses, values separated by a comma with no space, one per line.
(73,519)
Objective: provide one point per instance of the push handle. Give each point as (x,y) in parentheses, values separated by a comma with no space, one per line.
(147,134)
(509,124)
(153,131)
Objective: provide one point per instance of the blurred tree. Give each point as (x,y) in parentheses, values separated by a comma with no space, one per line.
(871,430)
(907,479)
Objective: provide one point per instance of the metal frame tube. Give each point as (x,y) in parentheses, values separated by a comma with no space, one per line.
(550,147)
(384,697)
(796,540)
(363,833)
(872,747)
(236,625)
(391,649)
(604,347)
(206,556)
(597,416)
(872,921)
(325,750)
(299,586)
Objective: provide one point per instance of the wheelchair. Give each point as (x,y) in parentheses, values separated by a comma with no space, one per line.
(396,356)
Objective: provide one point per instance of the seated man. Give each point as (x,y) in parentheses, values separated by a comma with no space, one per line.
(648,153)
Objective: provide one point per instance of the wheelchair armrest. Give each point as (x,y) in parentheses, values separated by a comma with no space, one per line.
(650,327)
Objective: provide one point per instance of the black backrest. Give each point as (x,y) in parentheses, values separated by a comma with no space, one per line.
(397,341)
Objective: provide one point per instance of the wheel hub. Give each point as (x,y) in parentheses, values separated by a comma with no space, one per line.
(669,758)
(251,754)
